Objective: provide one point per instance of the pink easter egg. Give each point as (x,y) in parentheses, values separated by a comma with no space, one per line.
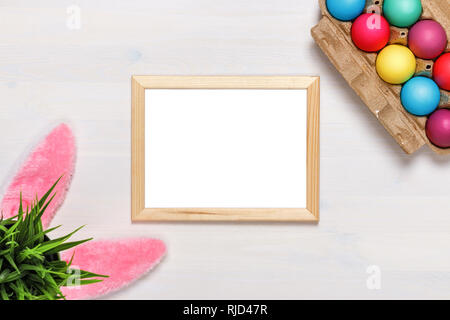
(438,128)
(427,39)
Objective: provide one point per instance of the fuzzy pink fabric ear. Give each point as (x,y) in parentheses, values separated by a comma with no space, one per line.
(53,156)
(123,260)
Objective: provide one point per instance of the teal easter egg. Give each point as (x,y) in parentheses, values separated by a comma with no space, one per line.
(345,10)
(402,13)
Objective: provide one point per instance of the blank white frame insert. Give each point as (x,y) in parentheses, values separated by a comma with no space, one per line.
(225,148)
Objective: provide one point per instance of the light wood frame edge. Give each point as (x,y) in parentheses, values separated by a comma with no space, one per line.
(138,210)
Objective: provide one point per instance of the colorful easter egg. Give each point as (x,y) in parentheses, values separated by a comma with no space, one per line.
(396,64)
(441,71)
(345,10)
(370,32)
(427,39)
(438,128)
(402,13)
(420,96)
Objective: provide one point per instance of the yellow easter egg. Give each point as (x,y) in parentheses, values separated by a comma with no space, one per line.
(396,64)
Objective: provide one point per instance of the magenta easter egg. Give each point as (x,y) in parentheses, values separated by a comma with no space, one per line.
(438,128)
(427,39)
(370,32)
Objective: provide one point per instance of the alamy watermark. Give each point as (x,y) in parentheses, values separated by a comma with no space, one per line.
(373,281)
(374,21)
(73,21)
(74,280)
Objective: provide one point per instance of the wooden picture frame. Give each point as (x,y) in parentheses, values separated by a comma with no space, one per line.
(138,211)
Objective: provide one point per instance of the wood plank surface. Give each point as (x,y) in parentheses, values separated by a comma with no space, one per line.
(379,206)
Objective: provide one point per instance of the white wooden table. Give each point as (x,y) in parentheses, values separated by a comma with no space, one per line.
(378,206)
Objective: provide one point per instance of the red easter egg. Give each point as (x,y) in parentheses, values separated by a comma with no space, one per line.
(441,71)
(370,32)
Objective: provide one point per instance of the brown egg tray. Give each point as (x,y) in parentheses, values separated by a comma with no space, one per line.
(358,69)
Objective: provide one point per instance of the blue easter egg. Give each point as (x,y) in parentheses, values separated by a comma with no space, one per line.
(420,96)
(345,10)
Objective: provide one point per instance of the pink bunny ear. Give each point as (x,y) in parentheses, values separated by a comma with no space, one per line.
(122,260)
(54,156)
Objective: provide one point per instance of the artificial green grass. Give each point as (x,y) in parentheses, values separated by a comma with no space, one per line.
(30,268)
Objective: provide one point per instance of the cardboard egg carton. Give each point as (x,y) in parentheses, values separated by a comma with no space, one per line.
(358,69)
